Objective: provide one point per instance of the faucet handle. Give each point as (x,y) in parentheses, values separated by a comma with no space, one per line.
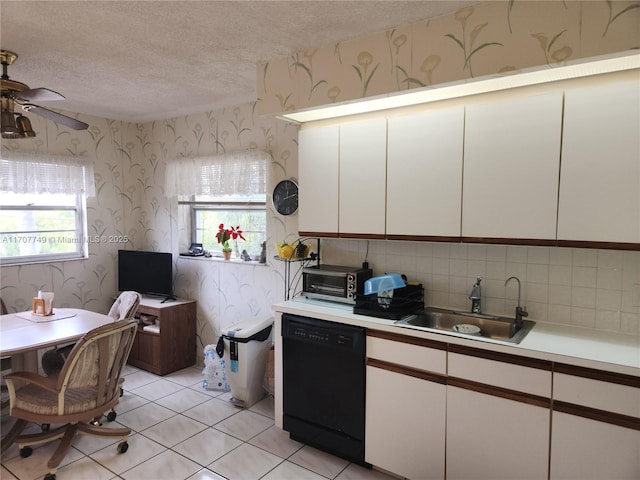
(520,314)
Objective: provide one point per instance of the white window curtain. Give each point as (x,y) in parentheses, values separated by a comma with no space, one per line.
(228,174)
(37,173)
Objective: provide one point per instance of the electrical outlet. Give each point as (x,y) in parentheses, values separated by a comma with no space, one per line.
(635,295)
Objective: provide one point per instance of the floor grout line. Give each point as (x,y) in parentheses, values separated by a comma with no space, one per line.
(19,467)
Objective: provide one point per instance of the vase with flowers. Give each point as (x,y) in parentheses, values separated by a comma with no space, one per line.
(224,235)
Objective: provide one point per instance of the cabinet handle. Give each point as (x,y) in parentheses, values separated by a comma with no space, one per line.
(514,395)
(411,372)
(612,418)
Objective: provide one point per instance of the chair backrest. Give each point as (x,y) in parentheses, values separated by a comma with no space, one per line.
(95,364)
(125,305)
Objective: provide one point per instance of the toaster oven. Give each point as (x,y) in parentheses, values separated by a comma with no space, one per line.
(334,282)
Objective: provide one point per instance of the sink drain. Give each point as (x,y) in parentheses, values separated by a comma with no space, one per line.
(466,328)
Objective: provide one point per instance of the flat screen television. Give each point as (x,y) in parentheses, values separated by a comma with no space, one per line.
(146,272)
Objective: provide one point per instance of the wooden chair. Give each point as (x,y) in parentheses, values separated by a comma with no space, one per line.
(87,386)
(125,306)
(5,362)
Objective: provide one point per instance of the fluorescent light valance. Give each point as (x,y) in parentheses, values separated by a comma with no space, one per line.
(584,67)
(42,173)
(228,174)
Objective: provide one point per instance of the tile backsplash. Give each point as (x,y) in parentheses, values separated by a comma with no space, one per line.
(597,289)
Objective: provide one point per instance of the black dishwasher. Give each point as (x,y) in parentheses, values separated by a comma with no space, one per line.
(324,385)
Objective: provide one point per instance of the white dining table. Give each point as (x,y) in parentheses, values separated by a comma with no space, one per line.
(23,334)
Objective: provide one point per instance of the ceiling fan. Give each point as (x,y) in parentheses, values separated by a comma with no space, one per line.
(17,93)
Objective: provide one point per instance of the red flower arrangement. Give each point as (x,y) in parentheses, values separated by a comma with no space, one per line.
(226,234)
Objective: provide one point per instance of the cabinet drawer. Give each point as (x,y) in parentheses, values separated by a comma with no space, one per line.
(407,351)
(602,395)
(146,310)
(502,373)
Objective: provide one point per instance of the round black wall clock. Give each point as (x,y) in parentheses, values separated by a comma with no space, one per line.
(285,197)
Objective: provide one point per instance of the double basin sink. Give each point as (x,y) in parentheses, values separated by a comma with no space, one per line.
(469,324)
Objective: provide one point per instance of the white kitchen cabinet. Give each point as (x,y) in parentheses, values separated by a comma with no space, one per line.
(363,164)
(489,437)
(596,425)
(511,165)
(318,176)
(405,424)
(424,173)
(405,407)
(603,395)
(592,450)
(498,417)
(600,175)
(402,350)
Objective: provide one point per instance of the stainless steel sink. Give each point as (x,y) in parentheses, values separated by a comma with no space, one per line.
(467,324)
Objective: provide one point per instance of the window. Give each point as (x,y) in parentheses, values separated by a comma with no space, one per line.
(250,214)
(42,207)
(42,227)
(230,189)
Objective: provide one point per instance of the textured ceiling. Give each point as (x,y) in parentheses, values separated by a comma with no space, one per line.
(149,60)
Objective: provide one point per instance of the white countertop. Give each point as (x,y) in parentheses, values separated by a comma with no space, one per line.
(608,351)
(160,301)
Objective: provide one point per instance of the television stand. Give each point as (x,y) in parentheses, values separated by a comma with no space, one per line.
(171,348)
(168,299)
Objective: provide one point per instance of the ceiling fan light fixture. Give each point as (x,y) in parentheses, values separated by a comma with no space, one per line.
(13,92)
(9,128)
(23,125)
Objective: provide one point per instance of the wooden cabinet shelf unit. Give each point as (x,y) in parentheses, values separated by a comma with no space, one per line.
(174,346)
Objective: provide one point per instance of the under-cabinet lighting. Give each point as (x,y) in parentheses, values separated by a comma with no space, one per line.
(580,68)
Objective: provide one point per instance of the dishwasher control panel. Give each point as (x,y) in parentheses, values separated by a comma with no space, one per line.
(304,332)
(319,332)
(319,335)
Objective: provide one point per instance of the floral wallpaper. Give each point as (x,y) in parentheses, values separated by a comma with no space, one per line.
(90,283)
(227,292)
(596,289)
(487,38)
(130,161)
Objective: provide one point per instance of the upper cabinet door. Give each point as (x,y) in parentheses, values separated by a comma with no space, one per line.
(424,173)
(318,169)
(600,175)
(363,163)
(511,167)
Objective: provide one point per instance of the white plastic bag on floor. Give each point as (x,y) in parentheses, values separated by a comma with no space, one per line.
(214,371)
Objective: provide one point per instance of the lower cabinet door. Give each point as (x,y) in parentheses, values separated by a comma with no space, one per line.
(490,437)
(149,349)
(589,449)
(405,424)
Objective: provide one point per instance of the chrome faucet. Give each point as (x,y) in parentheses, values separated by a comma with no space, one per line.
(520,311)
(475,296)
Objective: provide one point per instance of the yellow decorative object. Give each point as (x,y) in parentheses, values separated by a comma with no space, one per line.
(296,251)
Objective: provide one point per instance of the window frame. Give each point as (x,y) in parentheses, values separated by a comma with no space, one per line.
(38,236)
(195,205)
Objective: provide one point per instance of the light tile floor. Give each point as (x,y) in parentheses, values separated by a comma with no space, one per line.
(182,431)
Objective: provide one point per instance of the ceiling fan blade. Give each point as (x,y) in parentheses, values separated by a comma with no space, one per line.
(55,116)
(39,95)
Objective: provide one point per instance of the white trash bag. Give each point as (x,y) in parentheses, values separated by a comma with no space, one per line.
(214,371)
